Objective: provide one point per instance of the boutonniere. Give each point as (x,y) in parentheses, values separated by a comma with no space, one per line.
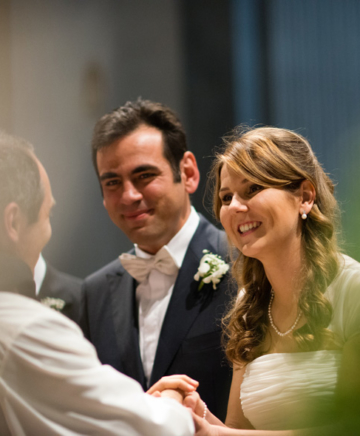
(211,269)
(53,303)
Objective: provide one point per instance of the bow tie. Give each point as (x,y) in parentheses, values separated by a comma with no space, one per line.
(140,268)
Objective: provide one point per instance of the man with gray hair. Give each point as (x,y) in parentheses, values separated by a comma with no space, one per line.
(51,381)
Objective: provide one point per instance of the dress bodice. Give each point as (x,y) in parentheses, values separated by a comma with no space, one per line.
(290,390)
(296,390)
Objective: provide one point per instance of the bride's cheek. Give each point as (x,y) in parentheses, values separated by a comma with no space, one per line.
(223,218)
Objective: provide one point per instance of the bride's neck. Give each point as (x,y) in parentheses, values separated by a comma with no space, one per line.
(285,277)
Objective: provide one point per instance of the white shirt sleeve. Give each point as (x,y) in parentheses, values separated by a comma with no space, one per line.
(52,383)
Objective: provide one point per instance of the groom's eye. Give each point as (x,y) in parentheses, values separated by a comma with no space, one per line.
(146,176)
(111,183)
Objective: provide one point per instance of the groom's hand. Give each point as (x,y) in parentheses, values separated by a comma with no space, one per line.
(174,386)
(175,394)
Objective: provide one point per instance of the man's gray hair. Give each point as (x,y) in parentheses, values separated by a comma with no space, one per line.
(20,180)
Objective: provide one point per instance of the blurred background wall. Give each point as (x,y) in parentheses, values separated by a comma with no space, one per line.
(218,63)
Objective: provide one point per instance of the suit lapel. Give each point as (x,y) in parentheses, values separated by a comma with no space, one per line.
(185,304)
(125,324)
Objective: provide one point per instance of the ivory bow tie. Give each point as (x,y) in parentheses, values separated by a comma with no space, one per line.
(140,268)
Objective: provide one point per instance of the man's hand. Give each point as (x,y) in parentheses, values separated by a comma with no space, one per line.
(175,394)
(174,386)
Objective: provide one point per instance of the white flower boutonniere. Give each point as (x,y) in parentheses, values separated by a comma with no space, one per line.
(211,269)
(53,303)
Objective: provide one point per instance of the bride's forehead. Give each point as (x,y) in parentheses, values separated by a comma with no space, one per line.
(230,175)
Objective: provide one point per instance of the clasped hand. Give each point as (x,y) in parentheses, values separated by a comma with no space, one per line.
(183,389)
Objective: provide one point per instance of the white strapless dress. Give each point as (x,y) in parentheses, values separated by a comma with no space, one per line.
(296,390)
(290,390)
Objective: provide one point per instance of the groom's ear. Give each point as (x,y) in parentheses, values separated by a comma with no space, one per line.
(189,172)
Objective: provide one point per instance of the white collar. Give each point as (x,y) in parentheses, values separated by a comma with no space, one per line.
(39,273)
(180,242)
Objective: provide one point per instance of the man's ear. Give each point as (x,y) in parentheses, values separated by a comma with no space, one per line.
(12,222)
(190,172)
(308,196)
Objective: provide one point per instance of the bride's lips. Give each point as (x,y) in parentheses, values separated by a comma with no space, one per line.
(248,227)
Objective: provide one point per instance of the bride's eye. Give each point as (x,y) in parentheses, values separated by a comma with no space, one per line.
(255,188)
(226,199)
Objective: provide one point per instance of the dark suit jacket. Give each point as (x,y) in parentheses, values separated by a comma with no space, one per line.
(190,338)
(57,284)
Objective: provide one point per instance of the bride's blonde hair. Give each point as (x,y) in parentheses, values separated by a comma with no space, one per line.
(281,159)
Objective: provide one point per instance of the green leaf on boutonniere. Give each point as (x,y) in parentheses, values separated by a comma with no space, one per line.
(212,268)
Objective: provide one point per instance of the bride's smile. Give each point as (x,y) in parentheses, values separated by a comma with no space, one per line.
(261,222)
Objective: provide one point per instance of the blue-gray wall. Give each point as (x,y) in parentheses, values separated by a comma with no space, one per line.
(297,65)
(290,63)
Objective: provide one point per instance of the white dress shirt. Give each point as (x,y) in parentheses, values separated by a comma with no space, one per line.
(39,273)
(52,383)
(153,295)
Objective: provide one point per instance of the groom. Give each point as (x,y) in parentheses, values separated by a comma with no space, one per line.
(144,311)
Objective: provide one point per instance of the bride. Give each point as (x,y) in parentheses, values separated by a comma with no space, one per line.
(293,334)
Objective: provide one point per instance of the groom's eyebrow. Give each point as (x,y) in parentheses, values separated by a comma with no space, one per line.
(108,175)
(143,168)
(137,170)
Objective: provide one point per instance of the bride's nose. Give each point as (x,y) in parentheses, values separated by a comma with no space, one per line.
(238,204)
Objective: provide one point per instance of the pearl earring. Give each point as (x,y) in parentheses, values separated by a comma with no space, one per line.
(304,216)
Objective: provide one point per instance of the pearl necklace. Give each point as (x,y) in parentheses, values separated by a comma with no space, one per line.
(272,321)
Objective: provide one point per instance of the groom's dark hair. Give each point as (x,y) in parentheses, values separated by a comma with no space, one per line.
(124,120)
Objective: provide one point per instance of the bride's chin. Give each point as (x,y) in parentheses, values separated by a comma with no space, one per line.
(249,251)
